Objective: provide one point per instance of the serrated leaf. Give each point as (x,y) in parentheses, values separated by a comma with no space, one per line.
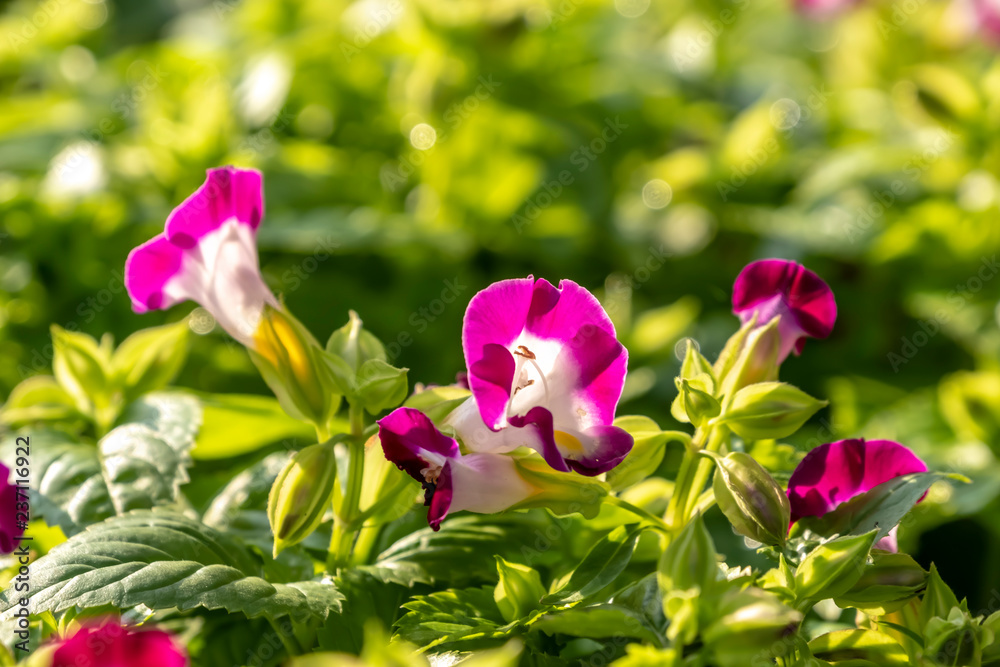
(463,615)
(163,560)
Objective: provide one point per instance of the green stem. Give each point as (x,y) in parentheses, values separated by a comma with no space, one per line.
(703,468)
(655,521)
(682,484)
(289,641)
(345,522)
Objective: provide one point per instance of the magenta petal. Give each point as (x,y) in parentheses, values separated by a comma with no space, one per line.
(412,442)
(490,380)
(802,293)
(565,313)
(601,363)
(538,421)
(112,645)
(608,447)
(147,270)
(227,194)
(10,534)
(439,498)
(838,471)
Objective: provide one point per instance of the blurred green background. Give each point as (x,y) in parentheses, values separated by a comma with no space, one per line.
(416,150)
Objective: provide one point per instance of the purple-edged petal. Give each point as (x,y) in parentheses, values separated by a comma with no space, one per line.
(770,288)
(565,312)
(148,269)
(540,436)
(112,645)
(601,363)
(605,447)
(490,380)
(838,471)
(227,194)
(413,443)
(438,497)
(10,534)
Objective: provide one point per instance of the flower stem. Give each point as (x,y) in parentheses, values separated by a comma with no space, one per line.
(345,523)
(692,475)
(703,468)
(655,521)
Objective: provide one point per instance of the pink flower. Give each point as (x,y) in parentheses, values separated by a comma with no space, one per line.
(10,534)
(483,483)
(836,472)
(771,288)
(207,253)
(987,14)
(109,644)
(546,372)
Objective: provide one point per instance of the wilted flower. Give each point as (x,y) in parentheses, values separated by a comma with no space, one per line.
(546,372)
(483,483)
(208,253)
(836,472)
(770,288)
(112,645)
(10,534)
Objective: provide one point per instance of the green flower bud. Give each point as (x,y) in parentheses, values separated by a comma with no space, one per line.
(938,599)
(886,585)
(355,344)
(751,499)
(755,361)
(290,361)
(689,562)
(954,641)
(695,363)
(694,402)
(769,410)
(358,364)
(748,624)
(301,494)
(832,569)
(519,591)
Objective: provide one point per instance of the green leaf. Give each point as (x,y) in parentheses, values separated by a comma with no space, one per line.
(438,402)
(138,465)
(381,386)
(163,560)
(235,424)
(647,451)
(602,565)
(881,508)
(851,645)
(83,369)
(150,359)
(466,615)
(831,569)
(38,398)
(603,620)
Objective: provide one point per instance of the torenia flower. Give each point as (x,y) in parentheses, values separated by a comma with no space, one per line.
(483,483)
(546,372)
(10,534)
(208,254)
(987,15)
(771,288)
(836,472)
(113,645)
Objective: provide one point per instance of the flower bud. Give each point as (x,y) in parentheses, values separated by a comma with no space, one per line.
(832,569)
(689,562)
(751,499)
(301,494)
(694,402)
(748,623)
(954,641)
(886,585)
(756,360)
(769,410)
(289,359)
(694,363)
(519,590)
